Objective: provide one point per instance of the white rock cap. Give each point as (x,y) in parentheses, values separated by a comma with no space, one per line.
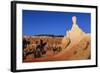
(74,19)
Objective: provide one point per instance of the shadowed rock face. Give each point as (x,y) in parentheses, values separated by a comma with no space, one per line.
(65,42)
(83,49)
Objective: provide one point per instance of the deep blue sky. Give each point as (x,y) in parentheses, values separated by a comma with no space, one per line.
(46,22)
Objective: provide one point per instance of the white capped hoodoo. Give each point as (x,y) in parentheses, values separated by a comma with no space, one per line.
(75,34)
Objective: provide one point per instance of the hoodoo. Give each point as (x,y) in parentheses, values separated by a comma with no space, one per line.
(76,33)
